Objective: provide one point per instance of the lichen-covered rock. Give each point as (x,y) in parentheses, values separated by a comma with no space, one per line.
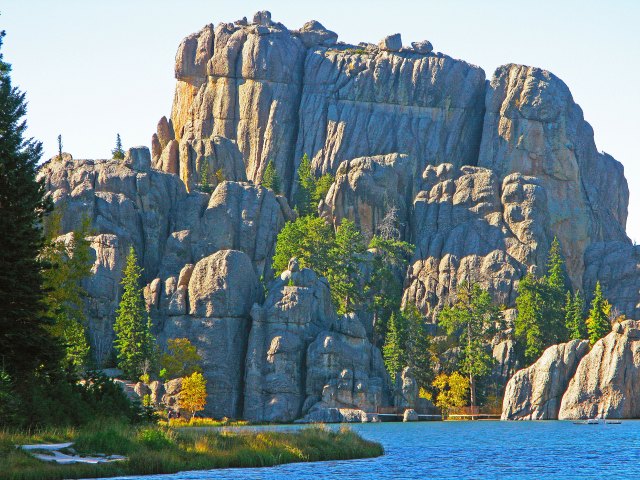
(534,393)
(606,384)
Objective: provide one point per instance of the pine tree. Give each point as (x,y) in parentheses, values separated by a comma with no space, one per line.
(205,180)
(307,238)
(393,349)
(70,263)
(134,341)
(529,319)
(554,296)
(598,324)
(271,178)
(345,260)
(59,147)
(417,346)
(305,189)
(575,322)
(475,318)
(26,344)
(118,152)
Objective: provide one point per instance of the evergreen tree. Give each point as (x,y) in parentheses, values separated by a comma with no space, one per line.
(26,344)
(554,296)
(69,263)
(205,180)
(134,341)
(389,262)
(529,319)
(323,184)
(345,260)
(118,152)
(59,147)
(598,324)
(393,349)
(417,346)
(305,189)
(271,178)
(307,238)
(475,318)
(574,315)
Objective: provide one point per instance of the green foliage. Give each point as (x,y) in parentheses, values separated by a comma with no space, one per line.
(193,396)
(69,264)
(59,147)
(385,286)
(407,344)
(309,189)
(345,258)
(307,238)
(452,391)
(219,176)
(205,178)
(598,324)
(134,343)
(118,152)
(181,360)
(393,349)
(574,316)
(541,318)
(27,347)
(271,179)
(475,318)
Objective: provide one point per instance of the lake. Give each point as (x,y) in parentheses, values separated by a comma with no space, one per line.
(482,449)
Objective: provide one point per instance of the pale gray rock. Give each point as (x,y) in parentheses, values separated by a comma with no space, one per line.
(406,390)
(534,393)
(263,17)
(335,415)
(138,158)
(606,384)
(313,34)
(391,43)
(410,415)
(424,47)
(223,284)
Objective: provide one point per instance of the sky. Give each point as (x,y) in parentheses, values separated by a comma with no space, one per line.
(93,68)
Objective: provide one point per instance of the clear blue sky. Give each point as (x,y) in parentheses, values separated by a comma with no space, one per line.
(94,68)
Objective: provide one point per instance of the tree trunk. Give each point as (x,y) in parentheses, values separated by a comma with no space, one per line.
(472,389)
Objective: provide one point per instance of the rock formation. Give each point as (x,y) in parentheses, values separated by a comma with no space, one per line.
(481,177)
(570,382)
(534,393)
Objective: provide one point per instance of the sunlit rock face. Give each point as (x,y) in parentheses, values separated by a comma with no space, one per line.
(478,175)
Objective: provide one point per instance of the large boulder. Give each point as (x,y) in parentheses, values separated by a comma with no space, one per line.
(606,384)
(534,393)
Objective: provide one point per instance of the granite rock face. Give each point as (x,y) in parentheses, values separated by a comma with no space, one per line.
(607,381)
(480,177)
(534,393)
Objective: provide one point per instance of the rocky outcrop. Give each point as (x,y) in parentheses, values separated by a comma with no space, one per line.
(607,381)
(534,393)
(479,177)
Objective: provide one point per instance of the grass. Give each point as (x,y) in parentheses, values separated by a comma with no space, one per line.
(202,422)
(154,449)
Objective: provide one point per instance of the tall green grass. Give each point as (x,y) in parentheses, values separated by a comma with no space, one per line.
(157,449)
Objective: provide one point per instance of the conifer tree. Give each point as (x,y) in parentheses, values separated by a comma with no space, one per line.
(417,346)
(118,152)
(474,317)
(271,178)
(69,263)
(598,324)
(345,260)
(59,147)
(555,280)
(26,344)
(205,180)
(393,349)
(574,314)
(307,238)
(134,341)
(305,188)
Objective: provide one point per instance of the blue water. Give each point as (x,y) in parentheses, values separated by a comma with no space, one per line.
(483,449)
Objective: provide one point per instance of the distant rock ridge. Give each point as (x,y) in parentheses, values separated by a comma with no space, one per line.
(482,175)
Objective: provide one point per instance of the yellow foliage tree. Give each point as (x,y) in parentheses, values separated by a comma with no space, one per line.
(193,396)
(452,391)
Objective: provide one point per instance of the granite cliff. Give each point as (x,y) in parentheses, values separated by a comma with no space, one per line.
(483,175)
